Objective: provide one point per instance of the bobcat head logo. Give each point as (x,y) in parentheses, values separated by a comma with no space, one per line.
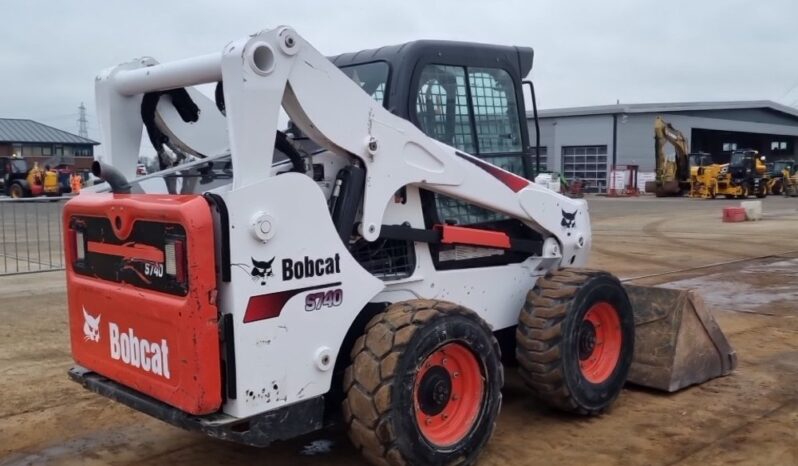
(262,270)
(91,327)
(568,219)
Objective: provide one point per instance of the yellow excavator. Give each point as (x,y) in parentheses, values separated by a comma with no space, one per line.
(672,172)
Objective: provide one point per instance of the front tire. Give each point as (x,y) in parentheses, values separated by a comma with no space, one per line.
(744,191)
(575,340)
(424,386)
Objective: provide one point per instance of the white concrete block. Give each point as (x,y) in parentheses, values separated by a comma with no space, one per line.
(753,209)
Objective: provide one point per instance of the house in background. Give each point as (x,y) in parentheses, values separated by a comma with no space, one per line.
(37,142)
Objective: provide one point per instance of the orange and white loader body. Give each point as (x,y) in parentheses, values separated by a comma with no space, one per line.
(222,303)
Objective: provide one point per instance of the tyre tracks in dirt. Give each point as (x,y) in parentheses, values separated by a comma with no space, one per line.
(695,241)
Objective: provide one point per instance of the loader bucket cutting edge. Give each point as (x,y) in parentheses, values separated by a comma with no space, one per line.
(678,342)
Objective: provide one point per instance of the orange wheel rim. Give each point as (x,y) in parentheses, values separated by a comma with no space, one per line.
(448,394)
(599,342)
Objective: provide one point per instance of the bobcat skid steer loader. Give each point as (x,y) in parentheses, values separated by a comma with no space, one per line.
(255,291)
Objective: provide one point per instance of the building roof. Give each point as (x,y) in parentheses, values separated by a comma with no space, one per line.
(29,131)
(665,108)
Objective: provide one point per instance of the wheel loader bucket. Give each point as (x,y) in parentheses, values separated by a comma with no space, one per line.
(678,342)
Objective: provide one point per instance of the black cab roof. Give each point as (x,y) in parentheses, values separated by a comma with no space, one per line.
(406,60)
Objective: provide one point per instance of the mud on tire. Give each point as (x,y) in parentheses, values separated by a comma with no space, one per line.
(424,385)
(575,340)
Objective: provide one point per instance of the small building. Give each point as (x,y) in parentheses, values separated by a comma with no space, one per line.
(585,142)
(37,142)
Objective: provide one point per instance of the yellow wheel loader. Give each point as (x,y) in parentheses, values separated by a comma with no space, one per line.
(746,175)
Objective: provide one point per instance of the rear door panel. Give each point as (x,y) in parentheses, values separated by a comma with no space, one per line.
(129,320)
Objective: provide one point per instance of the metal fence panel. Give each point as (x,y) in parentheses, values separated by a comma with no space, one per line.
(31,235)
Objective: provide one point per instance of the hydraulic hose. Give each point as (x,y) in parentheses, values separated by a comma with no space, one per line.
(117,181)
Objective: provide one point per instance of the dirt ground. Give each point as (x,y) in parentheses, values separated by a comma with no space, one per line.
(750,417)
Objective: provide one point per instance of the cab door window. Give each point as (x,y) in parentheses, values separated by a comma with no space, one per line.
(472,109)
(371,77)
(495,111)
(442,108)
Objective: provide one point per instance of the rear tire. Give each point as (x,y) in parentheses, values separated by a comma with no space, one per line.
(424,386)
(575,340)
(16,191)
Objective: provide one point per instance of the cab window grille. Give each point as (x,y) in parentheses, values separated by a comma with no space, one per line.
(472,109)
(457,212)
(442,106)
(495,110)
(386,259)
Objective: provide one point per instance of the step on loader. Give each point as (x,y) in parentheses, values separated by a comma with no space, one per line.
(370,268)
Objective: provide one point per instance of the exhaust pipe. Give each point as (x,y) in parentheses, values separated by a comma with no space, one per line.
(118,182)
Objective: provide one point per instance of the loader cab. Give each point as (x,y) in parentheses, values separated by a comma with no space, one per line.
(744,162)
(467,95)
(778,167)
(700,159)
(742,158)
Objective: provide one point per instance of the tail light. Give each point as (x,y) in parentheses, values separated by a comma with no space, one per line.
(264,306)
(80,246)
(175,259)
(76,244)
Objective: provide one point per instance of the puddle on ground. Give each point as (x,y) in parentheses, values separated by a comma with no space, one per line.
(102,447)
(766,288)
(317,447)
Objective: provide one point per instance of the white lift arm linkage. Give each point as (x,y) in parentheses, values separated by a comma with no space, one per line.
(277,68)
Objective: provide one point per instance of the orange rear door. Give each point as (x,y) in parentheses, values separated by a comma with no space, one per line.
(142,295)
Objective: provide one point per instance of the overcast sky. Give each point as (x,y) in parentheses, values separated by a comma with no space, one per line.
(586,52)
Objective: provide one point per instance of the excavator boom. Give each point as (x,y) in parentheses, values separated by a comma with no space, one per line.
(672,175)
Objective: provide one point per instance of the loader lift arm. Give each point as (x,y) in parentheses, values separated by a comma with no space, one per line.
(278,67)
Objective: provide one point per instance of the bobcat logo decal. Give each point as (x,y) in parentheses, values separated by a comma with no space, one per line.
(568,219)
(91,327)
(262,270)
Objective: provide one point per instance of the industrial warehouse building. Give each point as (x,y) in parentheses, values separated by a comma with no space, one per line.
(585,142)
(44,144)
